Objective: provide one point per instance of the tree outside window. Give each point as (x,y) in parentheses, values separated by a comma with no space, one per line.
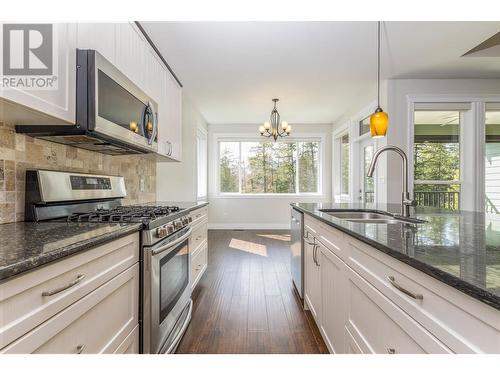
(269,167)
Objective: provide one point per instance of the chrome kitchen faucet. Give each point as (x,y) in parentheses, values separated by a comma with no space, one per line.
(406,202)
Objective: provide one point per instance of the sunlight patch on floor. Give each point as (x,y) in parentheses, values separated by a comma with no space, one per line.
(249,247)
(279,237)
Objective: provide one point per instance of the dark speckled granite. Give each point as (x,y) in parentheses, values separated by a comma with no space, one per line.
(25,246)
(461,249)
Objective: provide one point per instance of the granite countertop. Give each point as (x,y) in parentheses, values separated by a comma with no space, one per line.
(27,245)
(459,248)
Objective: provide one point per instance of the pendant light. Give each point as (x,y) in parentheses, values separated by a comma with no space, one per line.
(379,119)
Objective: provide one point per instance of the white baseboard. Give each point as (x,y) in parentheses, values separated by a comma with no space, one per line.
(249,226)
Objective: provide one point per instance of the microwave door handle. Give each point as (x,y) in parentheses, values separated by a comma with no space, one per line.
(155,124)
(173,243)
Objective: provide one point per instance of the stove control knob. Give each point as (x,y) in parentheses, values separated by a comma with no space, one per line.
(161,231)
(185,221)
(170,228)
(178,224)
(190,219)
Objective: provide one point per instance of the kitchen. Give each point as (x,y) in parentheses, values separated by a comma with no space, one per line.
(148,209)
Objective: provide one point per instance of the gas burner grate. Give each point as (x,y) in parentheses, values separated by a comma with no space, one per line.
(134,214)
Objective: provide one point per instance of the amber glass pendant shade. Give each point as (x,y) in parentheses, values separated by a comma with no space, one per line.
(379,120)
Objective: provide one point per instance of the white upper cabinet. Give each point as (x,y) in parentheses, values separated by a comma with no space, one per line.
(53,106)
(132,55)
(98,36)
(170,128)
(125,46)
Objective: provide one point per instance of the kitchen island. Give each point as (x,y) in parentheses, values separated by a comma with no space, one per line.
(403,287)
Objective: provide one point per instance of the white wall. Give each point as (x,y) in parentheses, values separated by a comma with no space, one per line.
(243,212)
(395,101)
(177,181)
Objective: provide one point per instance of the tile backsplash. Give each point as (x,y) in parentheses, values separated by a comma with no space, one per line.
(19,152)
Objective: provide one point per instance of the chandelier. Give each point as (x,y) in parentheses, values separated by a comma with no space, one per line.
(275,128)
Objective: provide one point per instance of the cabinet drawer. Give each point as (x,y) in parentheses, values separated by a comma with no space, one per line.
(23,305)
(330,237)
(463,324)
(131,343)
(198,236)
(199,215)
(98,323)
(379,326)
(199,262)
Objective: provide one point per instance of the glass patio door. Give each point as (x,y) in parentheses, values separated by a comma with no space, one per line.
(366,184)
(492,159)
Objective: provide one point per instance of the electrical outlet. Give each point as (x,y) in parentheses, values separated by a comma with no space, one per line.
(141,184)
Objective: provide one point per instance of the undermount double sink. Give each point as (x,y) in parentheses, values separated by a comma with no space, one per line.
(370,216)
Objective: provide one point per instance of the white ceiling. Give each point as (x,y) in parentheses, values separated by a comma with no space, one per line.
(319,70)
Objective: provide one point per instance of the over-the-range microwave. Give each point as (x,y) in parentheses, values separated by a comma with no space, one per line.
(113,115)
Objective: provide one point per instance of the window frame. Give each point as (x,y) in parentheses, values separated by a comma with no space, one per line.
(201,134)
(320,138)
(445,106)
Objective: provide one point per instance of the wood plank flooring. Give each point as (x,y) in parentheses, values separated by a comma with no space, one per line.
(245,302)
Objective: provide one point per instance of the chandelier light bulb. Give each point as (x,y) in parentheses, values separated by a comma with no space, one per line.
(288,129)
(262,129)
(284,125)
(267,125)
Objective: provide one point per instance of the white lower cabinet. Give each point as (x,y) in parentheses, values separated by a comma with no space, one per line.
(379,326)
(350,290)
(86,303)
(332,271)
(98,323)
(312,287)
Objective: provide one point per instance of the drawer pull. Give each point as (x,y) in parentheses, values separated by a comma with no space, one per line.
(392,280)
(391,351)
(80,349)
(198,238)
(67,286)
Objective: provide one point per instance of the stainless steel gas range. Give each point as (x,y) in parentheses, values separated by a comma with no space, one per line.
(165,306)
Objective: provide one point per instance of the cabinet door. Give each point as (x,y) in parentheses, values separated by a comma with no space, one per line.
(333,298)
(174,117)
(57,103)
(132,50)
(312,294)
(98,36)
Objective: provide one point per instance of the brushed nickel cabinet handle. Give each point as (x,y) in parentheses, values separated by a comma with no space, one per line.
(67,286)
(198,238)
(315,251)
(391,351)
(392,280)
(79,349)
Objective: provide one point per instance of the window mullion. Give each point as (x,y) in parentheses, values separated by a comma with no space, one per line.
(239,170)
(297,190)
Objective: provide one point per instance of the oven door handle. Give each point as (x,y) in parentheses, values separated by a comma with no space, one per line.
(173,243)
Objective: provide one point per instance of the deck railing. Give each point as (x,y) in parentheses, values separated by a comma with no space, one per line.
(440,199)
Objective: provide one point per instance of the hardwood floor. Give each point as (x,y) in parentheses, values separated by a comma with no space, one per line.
(245,302)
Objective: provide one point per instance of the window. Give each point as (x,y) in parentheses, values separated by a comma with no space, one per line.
(492,159)
(437,159)
(269,167)
(344,164)
(364,126)
(201,163)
